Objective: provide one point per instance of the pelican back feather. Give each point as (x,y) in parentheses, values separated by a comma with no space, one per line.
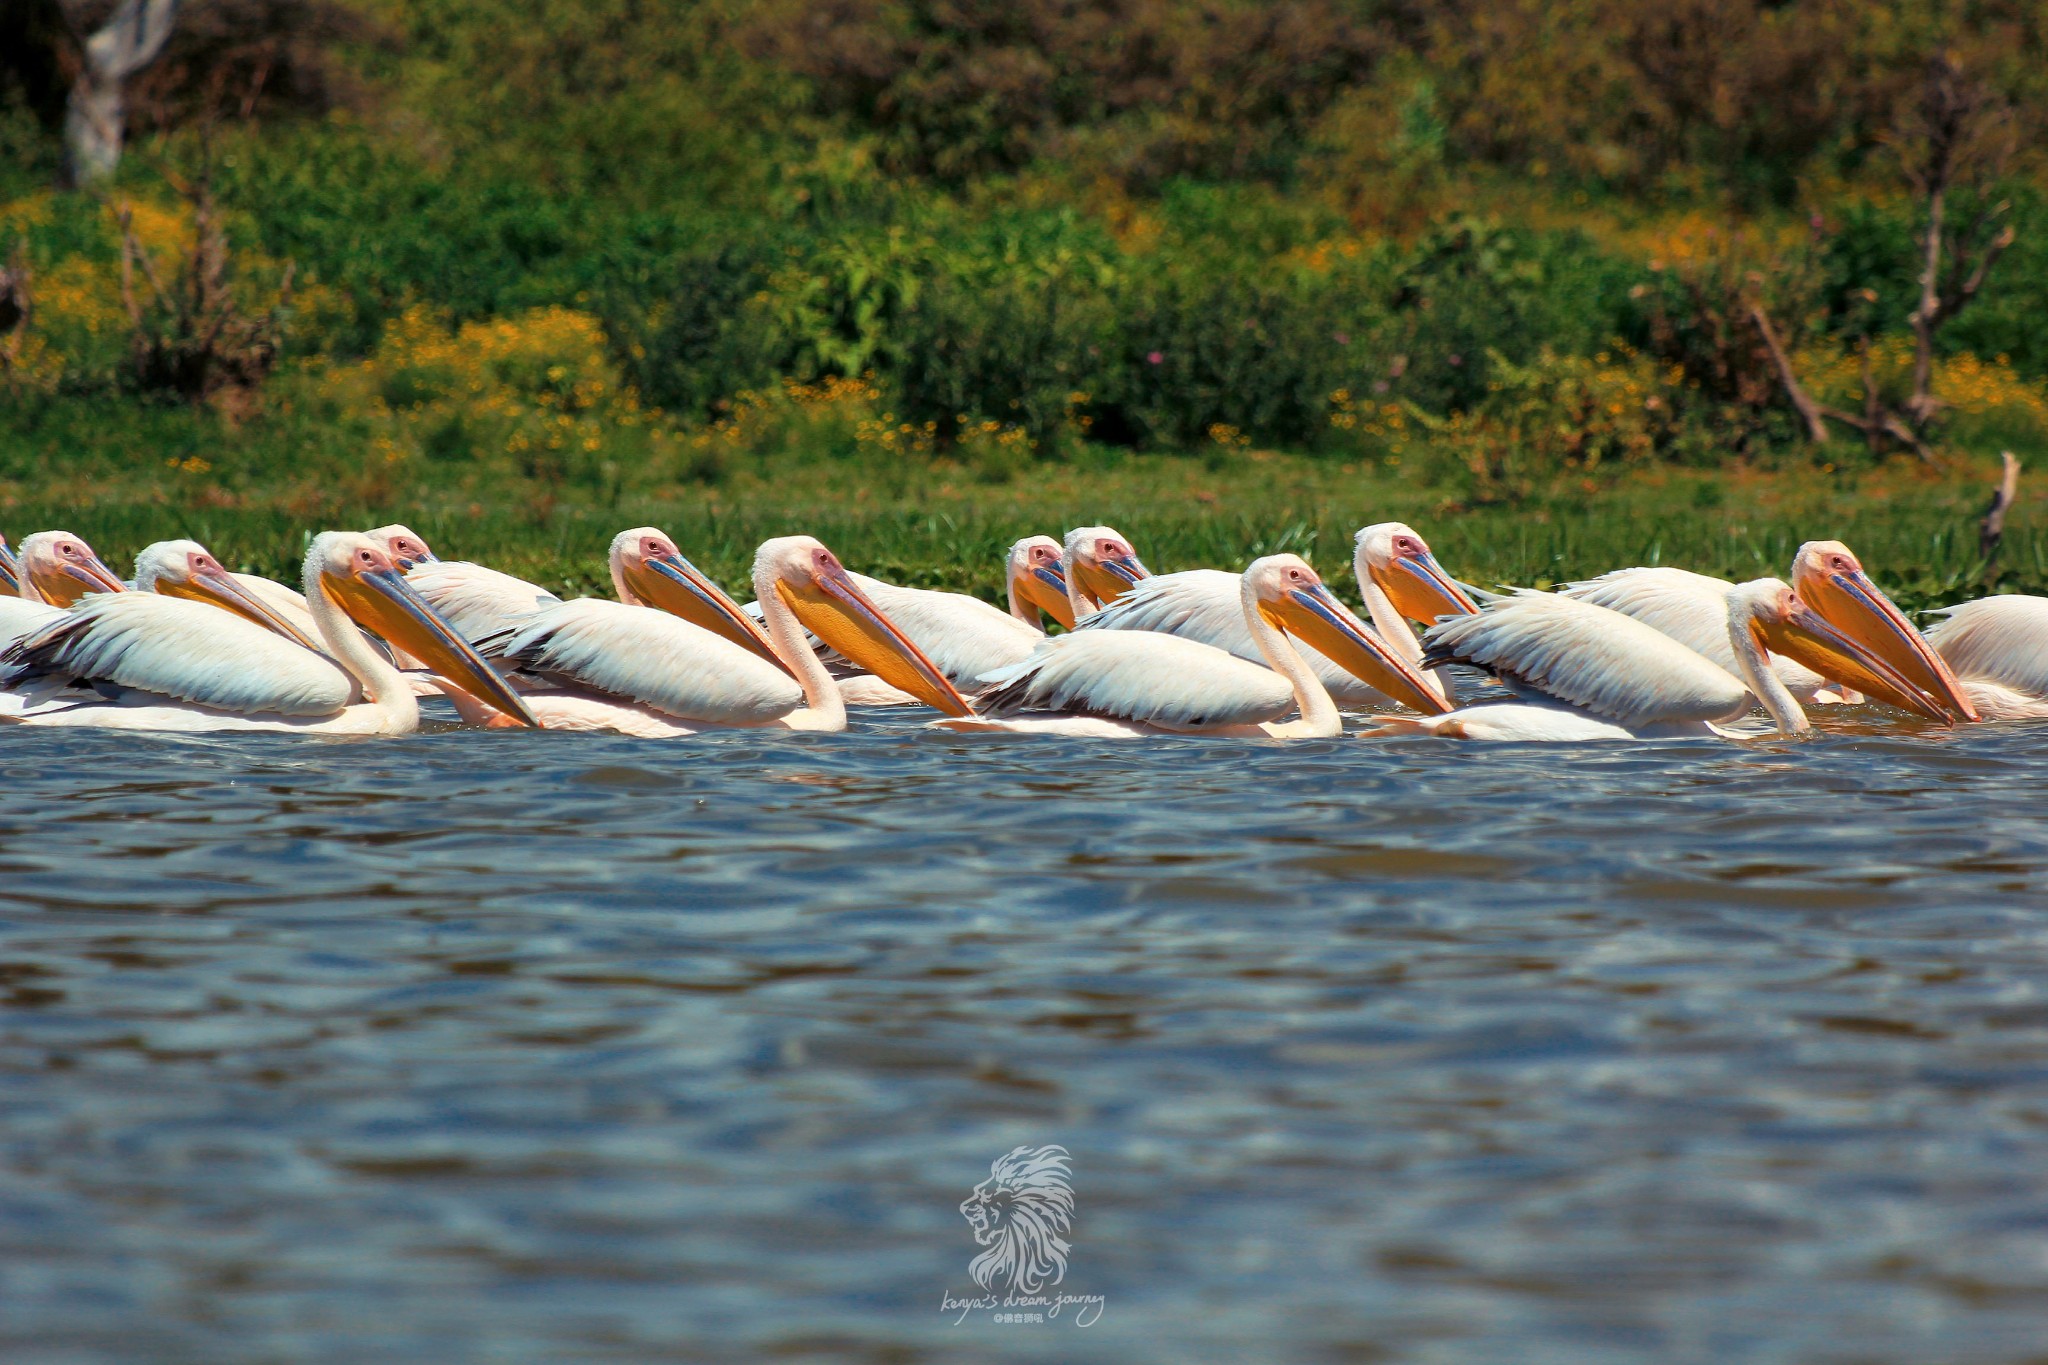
(1207,605)
(1151,679)
(1997,639)
(1591,657)
(172,647)
(644,655)
(476,601)
(964,636)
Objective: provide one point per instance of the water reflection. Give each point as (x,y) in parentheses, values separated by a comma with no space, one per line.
(539,1047)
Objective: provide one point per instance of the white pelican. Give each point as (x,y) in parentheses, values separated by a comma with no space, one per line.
(10,571)
(1394,566)
(59,568)
(1998,650)
(1692,608)
(143,661)
(641,671)
(1099,566)
(184,568)
(963,635)
(1037,585)
(1605,675)
(1128,682)
(1400,581)
(1831,579)
(475,600)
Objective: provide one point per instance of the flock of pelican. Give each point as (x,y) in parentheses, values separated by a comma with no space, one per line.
(379,621)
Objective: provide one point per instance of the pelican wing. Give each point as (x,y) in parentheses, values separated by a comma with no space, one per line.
(19,617)
(644,655)
(1689,607)
(1207,605)
(474,600)
(964,636)
(172,647)
(1591,657)
(1139,676)
(1997,639)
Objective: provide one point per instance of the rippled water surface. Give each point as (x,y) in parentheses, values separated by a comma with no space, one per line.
(521,1047)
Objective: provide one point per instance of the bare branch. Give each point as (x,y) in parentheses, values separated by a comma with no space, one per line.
(1809,411)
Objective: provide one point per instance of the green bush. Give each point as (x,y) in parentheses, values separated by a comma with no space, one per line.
(1470,289)
(1016,327)
(692,331)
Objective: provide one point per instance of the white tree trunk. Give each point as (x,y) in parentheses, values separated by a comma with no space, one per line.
(95,117)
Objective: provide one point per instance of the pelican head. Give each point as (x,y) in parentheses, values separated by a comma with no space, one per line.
(61,568)
(1101,563)
(405,545)
(1780,621)
(1829,578)
(1397,558)
(810,581)
(184,568)
(1036,579)
(10,570)
(355,573)
(1292,599)
(648,568)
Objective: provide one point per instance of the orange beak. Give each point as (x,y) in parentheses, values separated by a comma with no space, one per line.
(1316,618)
(1811,639)
(219,588)
(382,602)
(10,570)
(833,608)
(1851,603)
(1421,591)
(1043,586)
(1105,580)
(674,585)
(71,582)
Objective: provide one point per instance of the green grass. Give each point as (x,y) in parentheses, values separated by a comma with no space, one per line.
(107,476)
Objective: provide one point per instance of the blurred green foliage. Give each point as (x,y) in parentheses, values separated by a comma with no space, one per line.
(1502,240)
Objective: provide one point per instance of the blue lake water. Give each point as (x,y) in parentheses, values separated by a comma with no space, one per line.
(515,1047)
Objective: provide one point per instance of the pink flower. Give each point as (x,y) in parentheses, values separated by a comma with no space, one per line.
(1154,357)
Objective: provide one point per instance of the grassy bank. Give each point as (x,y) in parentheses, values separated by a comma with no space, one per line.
(940,522)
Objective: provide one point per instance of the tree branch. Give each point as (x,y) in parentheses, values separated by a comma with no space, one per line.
(1809,411)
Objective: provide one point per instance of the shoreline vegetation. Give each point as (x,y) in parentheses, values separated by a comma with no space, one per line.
(1569,287)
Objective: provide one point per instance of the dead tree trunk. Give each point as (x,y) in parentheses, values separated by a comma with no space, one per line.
(95,118)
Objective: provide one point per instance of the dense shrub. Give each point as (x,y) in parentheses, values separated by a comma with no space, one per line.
(1471,289)
(691,331)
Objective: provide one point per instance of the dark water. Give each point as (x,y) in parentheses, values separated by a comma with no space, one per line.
(543,1048)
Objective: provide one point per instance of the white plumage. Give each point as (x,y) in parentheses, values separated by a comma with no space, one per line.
(19,616)
(964,636)
(1998,647)
(1504,723)
(1692,609)
(1155,680)
(643,655)
(1593,658)
(1203,605)
(178,650)
(475,600)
